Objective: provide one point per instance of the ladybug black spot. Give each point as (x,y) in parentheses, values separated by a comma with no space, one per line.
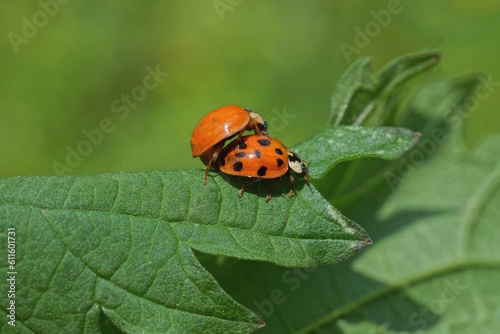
(237,166)
(262,171)
(257,153)
(222,161)
(280,162)
(277,150)
(242,145)
(264,142)
(240,154)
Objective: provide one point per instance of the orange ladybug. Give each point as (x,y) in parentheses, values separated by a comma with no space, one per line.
(260,157)
(219,125)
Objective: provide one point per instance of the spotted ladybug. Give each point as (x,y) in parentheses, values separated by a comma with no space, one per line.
(218,126)
(260,157)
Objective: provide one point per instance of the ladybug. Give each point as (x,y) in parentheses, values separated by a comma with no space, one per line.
(260,157)
(219,125)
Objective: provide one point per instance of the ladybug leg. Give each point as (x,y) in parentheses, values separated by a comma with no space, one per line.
(238,140)
(242,190)
(206,172)
(292,181)
(215,154)
(239,134)
(278,179)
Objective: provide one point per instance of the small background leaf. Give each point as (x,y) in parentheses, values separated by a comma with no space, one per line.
(358,93)
(342,143)
(357,77)
(433,110)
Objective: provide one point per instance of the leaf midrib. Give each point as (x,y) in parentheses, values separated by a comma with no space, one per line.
(128,215)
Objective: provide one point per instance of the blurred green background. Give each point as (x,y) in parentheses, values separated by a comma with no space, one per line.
(64,65)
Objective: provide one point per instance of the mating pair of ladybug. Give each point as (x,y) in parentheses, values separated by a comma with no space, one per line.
(255,156)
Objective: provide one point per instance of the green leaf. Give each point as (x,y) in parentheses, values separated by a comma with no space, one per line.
(433,109)
(439,103)
(434,266)
(359,92)
(121,244)
(357,77)
(343,143)
(400,70)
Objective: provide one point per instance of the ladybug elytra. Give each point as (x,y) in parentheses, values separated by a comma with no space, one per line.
(261,157)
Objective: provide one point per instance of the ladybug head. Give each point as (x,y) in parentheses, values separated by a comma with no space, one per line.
(258,122)
(298,165)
